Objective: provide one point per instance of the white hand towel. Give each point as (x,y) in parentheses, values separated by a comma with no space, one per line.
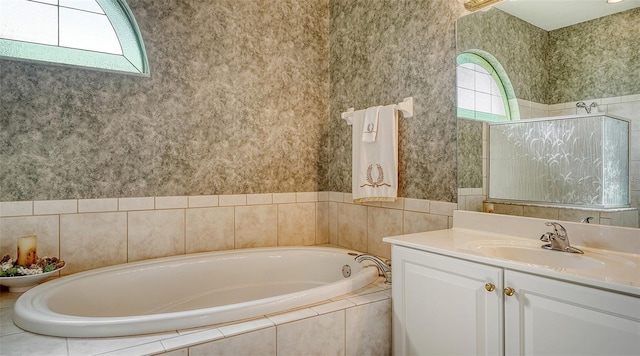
(375,164)
(370,126)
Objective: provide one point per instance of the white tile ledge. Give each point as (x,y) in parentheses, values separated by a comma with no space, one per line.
(103,205)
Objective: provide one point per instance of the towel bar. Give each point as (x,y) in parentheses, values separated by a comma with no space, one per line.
(406,106)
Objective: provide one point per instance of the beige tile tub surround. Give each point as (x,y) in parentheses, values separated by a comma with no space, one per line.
(324,332)
(297,224)
(16,208)
(362,338)
(362,226)
(97,205)
(261,342)
(618,217)
(45,227)
(381,223)
(322,222)
(94,240)
(209,229)
(256,226)
(156,233)
(352,226)
(132,229)
(358,323)
(50,207)
(418,222)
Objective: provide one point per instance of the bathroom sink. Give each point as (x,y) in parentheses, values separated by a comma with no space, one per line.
(535,255)
(539,256)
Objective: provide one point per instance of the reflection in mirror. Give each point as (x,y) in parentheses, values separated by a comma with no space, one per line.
(563,160)
(484,89)
(98,34)
(595,61)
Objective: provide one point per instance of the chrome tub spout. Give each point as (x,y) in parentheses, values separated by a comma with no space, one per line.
(385,269)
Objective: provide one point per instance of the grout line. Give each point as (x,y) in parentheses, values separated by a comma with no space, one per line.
(127,229)
(59,238)
(344,311)
(277,224)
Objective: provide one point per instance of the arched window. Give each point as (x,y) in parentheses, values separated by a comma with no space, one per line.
(100,34)
(484,90)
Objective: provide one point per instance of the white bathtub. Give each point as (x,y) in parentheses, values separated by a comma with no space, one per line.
(188,291)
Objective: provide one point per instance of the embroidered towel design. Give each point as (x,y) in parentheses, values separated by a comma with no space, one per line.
(370,126)
(375,164)
(379,180)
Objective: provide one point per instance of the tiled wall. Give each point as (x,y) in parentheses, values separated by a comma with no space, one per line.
(338,328)
(362,226)
(93,233)
(472,199)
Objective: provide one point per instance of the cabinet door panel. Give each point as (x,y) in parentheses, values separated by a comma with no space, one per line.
(441,306)
(549,317)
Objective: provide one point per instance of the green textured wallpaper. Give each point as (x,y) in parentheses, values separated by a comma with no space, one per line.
(237,103)
(244,97)
(381,52)
(520,47)
(594,59)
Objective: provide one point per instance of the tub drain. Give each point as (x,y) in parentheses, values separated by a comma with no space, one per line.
(346,271)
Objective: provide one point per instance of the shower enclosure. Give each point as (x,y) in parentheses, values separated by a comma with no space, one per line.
(571,160)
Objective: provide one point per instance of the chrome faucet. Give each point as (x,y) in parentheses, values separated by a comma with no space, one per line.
(581,104)
(587,220)
(558,239)
(383,266)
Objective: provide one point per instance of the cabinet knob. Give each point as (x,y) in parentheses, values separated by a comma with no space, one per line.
(489,287)
(509,291)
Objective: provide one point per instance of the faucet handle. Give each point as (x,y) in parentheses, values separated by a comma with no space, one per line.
(546,237)
(558,239)
(558,229)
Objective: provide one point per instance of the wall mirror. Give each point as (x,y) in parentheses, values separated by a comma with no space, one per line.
(555,58)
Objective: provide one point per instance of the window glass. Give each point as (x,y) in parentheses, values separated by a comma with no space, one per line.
(484,89)
(29,21)
(87,30)
(100,34)
(50,2)
(87,5)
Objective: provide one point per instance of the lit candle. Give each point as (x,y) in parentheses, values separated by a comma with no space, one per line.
(487,207)
(27,250)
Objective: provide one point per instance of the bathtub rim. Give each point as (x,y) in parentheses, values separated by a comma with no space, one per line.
(31,312)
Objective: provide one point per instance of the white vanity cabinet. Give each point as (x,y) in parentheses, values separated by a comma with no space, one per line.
(445,305)
(550,317)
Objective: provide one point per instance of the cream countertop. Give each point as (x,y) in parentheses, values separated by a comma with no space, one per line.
(617,247)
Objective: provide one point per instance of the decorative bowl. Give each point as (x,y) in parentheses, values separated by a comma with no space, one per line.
(24,283)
